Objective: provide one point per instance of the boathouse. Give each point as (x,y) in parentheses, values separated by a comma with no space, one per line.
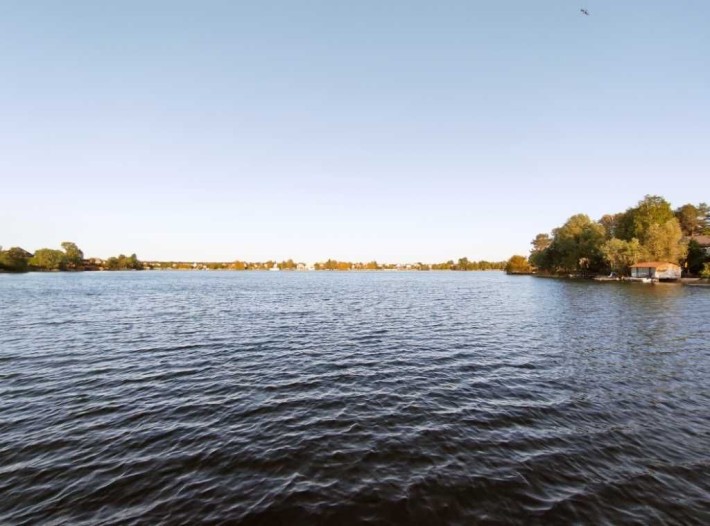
(656,270)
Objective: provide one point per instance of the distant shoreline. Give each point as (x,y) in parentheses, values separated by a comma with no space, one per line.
(71,258)
(80,271)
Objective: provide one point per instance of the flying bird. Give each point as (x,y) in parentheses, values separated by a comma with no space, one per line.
(584,12)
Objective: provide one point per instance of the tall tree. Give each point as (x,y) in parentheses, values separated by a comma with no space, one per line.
(578,244)
(665,242)
(697,257)
(636,222)
(540,252)
(74,255)
(704,216)
(610,222)
(690,219)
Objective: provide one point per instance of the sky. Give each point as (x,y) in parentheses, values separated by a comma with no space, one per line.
(395,130)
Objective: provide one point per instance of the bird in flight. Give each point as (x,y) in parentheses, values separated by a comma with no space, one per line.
(584,12)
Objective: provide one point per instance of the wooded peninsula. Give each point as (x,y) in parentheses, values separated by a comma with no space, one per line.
(650,231)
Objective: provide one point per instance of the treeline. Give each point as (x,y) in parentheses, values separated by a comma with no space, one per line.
(462,264)
(649,231)
(123,263)
(71,258)
(330,264)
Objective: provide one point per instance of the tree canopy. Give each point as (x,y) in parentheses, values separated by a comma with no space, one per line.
(48,259)
(518,265)
(74,256)
(649,231)
(14,259)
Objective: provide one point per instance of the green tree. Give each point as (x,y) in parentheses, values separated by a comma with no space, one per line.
(14,259)
(134,263)
(706,271)
(610,222)
(577,245)
(518,265)
(48,259)
(636,222)
(689,218)
(112,263)
(621,254)
(704,217)
(287,265)
(696,257)
(74,256)
(331,264)
(665,242)
(539,255)
(123,262)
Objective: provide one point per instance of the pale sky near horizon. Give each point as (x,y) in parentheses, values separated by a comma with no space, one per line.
(390,130)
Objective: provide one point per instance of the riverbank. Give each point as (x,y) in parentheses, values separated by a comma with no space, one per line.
(690,282)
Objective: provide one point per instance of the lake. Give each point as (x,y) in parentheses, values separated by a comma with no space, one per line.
(351,398)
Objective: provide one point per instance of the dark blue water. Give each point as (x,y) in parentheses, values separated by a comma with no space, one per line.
(351,398)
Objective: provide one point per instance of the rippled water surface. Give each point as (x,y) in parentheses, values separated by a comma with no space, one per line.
(351,398)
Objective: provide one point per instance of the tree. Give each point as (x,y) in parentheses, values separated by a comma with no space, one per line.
(541,242)
(696,257)
(48,259)
(689,218)
(133,263)
(577,245)
(636,222)
(74,256)
(287,265)
(14,259)
(112,263)
(622,254)
(665,242)
(539,254)
(518,265)
(610,222)
(704,218)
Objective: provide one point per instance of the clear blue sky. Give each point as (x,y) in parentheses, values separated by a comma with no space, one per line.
(370,129)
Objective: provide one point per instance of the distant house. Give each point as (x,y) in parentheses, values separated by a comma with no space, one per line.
(659,270)
(704,242)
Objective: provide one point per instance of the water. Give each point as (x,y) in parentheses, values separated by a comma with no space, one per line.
(351,398)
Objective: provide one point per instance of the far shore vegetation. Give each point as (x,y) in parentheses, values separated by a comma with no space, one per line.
(71,259)
(582,247)
(650,231)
